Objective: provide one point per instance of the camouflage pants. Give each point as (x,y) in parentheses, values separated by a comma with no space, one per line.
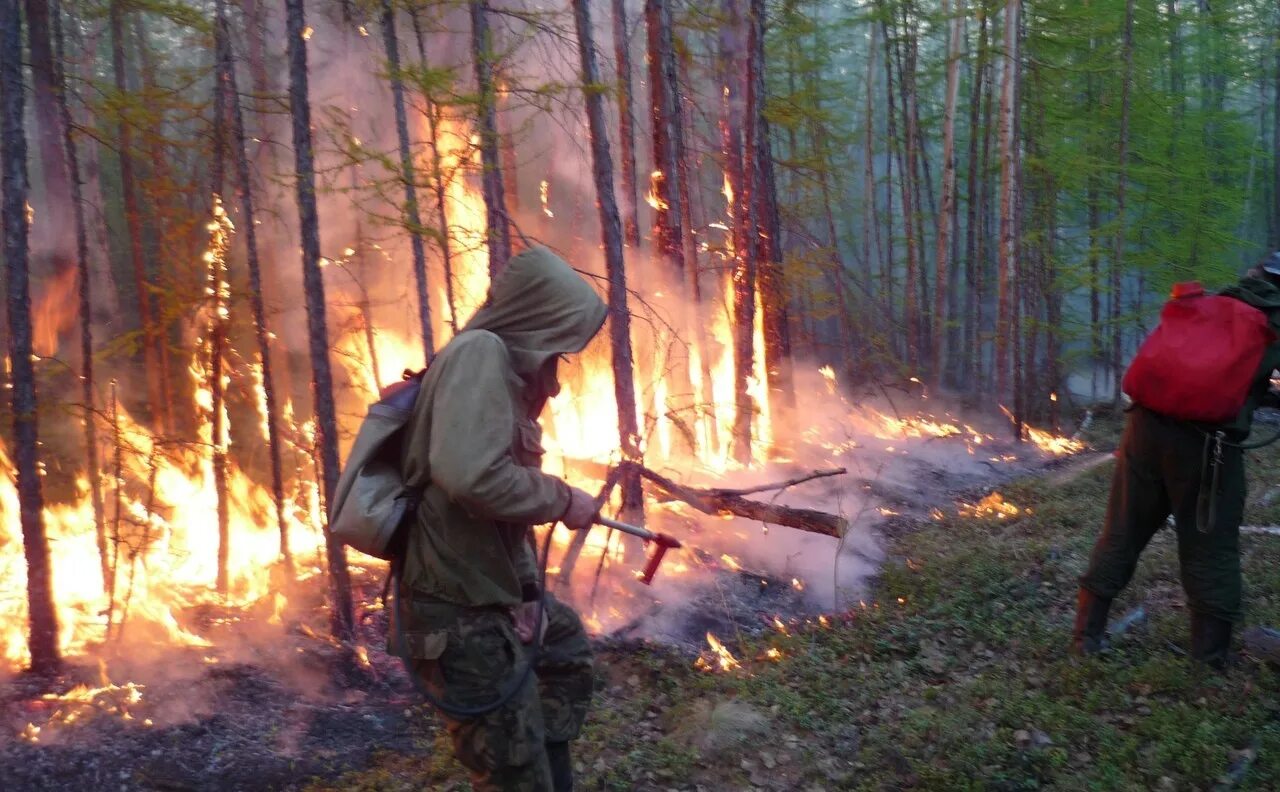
(468,656)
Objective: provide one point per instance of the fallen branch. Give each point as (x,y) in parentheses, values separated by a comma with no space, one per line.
(720,503)
(817,474)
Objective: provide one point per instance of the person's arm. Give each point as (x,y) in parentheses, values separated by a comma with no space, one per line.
(472,428)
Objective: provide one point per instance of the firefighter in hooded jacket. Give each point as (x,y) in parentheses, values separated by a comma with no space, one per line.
(1165,466)
(470,590)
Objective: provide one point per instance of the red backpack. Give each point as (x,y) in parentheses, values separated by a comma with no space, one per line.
(1200,361)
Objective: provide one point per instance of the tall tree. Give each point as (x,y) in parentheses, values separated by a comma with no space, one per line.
(667,231)
(41,615)
(1122,178)
(1008,184)
(768,241)
(496,220)
(244,185)
(150,334)
(85,294)
(218,298)
(341,617)
(412,218)
(745,269)
(56,195)
(626,130)
(943,238)
(624,390)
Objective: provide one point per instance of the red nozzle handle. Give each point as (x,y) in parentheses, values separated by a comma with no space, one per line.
(662,543)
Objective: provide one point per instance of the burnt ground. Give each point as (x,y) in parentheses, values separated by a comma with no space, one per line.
(283,712)
(289,712)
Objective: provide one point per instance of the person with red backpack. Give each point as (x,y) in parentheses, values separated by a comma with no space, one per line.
(1195,384)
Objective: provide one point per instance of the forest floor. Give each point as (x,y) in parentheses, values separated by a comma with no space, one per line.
(954,676)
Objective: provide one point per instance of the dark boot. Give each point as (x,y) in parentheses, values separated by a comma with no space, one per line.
(561,766)
(1210,640)
(1090,634)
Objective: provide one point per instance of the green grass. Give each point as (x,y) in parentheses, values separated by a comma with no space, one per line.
(956,678)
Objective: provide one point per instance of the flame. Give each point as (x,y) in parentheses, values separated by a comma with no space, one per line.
(307,33)
(544,190)
(722,658)
(54,313)
(651,197)
(1056,445)
(993,505)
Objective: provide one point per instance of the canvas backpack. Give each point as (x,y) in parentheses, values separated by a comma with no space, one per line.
(372,508)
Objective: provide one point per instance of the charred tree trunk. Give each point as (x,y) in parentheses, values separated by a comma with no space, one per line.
(218,293)
(261,333)
(744,274)
(341,619)
(626,131)
(133,222)
(1117,257)
(667,232)
(42,616)
(624,390)
(439,182)
(768,239)
(412,218)
(56,195)
(1008,241)
(85,294)
(1275,140)
(496,219)
(945,229)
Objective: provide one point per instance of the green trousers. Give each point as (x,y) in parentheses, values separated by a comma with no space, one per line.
(466,656)
(1159,471)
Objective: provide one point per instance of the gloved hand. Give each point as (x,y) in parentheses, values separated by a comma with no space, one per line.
(581,512)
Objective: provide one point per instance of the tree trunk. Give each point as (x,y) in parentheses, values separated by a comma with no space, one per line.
(667,232)
(744,276)
(498,232)
(1117,258)
(42,616)
(972,328)
(439,181)
(341,619)
(906,167)
(768,238)
(626,131)
(945,229)
(142,291)
(1008,241)
(412,218)
(85,294)
(54,199)
(218,292)
(261,333)
(624,389)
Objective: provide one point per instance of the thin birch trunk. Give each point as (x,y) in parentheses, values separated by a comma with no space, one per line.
(1008,241)
(1118,252)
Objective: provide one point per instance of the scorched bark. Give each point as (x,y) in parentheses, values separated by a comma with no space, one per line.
(317,326)
(42,617)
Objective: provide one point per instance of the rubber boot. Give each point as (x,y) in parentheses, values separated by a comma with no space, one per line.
(1090,634)
(1210,640)
(561,766)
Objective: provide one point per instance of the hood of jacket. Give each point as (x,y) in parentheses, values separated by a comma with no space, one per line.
(540,308)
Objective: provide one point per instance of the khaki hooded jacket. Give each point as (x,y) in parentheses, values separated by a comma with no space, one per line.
(474,442)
